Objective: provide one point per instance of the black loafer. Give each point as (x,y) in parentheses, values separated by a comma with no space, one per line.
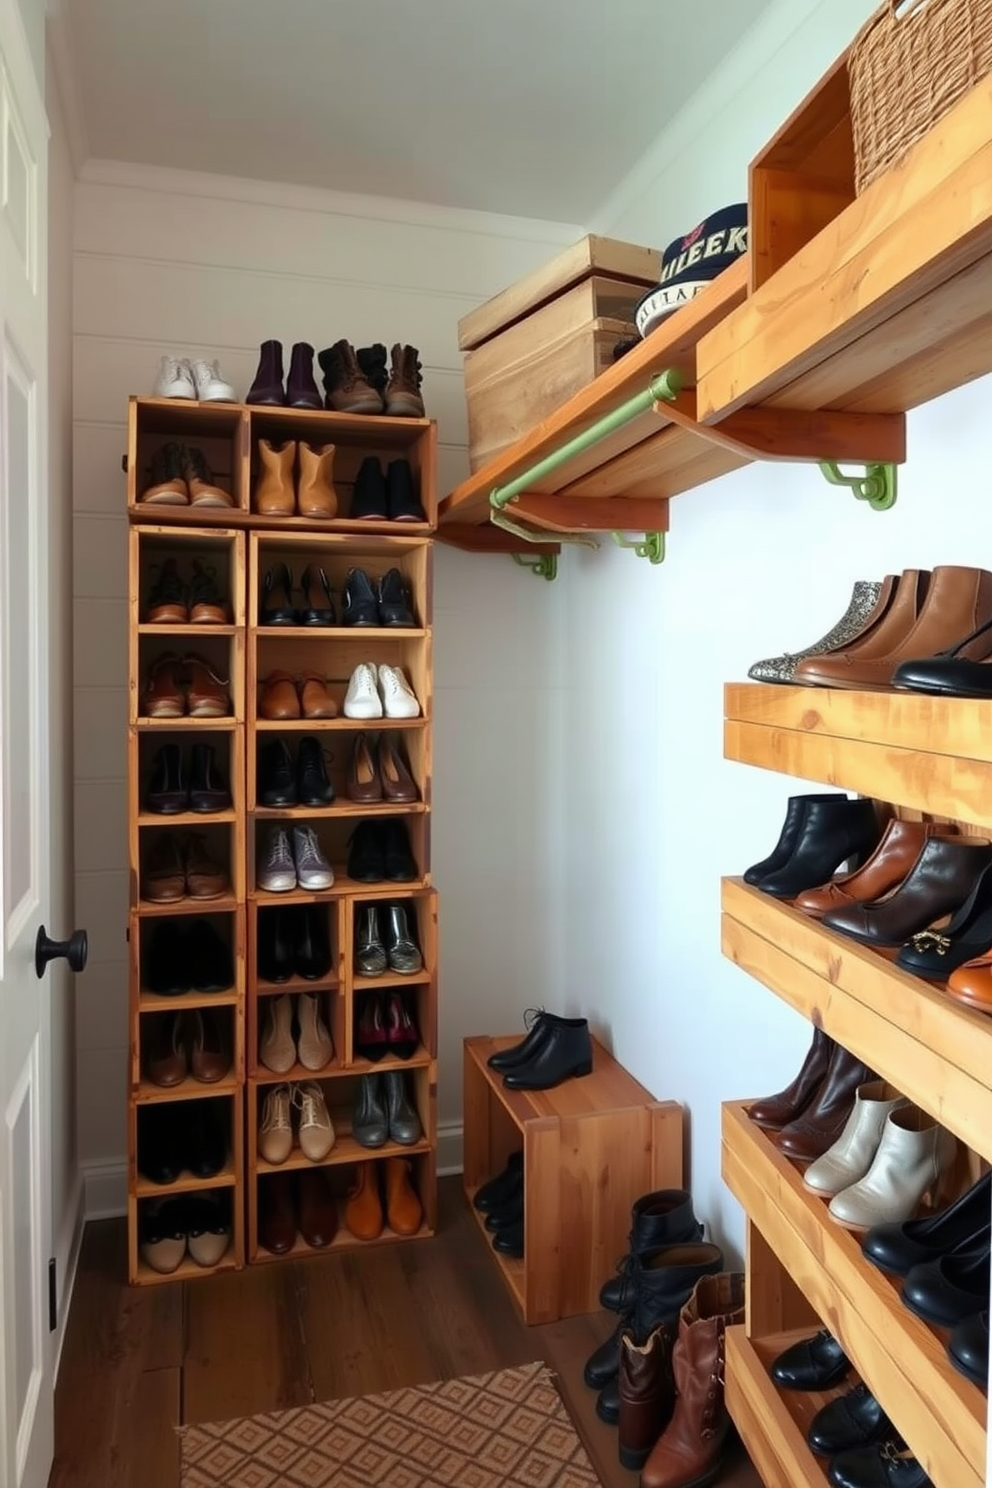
(812,1364)
(968,1349)
(852,1420)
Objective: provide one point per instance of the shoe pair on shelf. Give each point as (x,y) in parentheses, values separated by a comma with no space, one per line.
(555,1049)
(383,1193)
(295,479)
(179,475)
(197,1225)
(384,941)
(296,1204)
(271,389)
(314,1132)
(192,378)
(277,602)
(385,1028)
(177,1137)
(193,1042)
(172,789)
(379,851)
(359,382)
(294,940)
(383,1111)
(501,1200)
(389,497)
(922,631)
(294,1030)
(293,859)
(184,687)
(193,600)
(183,957)
(283,697)
(384,602)
(377,693)
(379,772)
(283,781)
(179,865)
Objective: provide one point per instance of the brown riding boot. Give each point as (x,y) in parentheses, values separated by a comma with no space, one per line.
(315,494)
(690,1450)
(647,1393)
(274,494)
(403,396)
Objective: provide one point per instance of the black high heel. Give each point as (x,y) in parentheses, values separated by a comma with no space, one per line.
(936,953)
(276,605)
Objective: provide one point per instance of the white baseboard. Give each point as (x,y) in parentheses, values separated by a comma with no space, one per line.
(105,1186)
(449,1148)
(67,1248)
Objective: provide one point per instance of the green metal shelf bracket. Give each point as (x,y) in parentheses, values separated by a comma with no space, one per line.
(544,565)
(877,485)
(651,546)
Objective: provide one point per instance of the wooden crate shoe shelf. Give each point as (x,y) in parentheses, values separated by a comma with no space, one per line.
(772,1423)
(928,753)
(903,1362)
(933,1050)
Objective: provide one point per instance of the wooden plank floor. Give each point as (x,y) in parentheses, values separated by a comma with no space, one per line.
(138,1363)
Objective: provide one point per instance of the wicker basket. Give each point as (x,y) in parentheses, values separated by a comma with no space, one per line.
(908,65)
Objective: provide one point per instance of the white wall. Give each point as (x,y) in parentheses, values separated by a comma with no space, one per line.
(201,265)
(758,562)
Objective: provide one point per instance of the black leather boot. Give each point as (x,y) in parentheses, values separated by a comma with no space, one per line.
(276,943)
(207,787)
(831,833)
(661,1218)
(168,792)
(276,775)
(313,943)
(359,603)
(538,1026)
(312,785)
(401,493)
(565,1052)
(662,1283)
(780,854)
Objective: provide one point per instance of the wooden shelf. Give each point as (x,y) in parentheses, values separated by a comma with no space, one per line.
(188,1270)
(189,1089)
(320,725)
(191,632)
(153,1002)
(296,1072)
(343,1240)
(345,1149)
(342,887)
(514,1268)
(932,754)
(340,632)
(903,1361)
(341,808)
(936,1052)
(185,724)
(192,819)
(772,1423)
(185,1183)
(390,979)
(150,909)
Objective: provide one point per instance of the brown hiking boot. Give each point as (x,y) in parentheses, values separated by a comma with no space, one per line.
(403,398)
(346,388)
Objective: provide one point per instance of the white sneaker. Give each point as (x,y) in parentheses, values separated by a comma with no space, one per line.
(210,386)
(316,1047)
(275,1132)
(277,870)
(397,695)
(313,871)
(316,1127)
(175,379)
(362,699)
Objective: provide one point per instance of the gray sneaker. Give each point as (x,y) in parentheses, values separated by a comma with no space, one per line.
(370,953)
(404,1123)
(312,868)
(277,870)
(370,1124)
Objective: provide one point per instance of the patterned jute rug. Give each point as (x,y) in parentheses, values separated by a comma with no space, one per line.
(487,1431)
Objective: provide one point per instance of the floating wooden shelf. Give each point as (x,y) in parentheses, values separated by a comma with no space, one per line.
(903,1362)
(928,753)
(932,1049)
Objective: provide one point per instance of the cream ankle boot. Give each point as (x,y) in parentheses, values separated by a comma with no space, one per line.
(274,494)
(849,1159)
(911,1156)
(316,496)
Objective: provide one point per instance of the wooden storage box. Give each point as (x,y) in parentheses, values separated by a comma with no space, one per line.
(529,349)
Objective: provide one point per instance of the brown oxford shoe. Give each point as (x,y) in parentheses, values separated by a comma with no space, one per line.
(315,698)
(279,699)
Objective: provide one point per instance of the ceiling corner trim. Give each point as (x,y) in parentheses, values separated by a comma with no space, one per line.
(59,46)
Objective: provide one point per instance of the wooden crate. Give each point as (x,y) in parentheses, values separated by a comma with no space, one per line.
(591,1147)
(533,346)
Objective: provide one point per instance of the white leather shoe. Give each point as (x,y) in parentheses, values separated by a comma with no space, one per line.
(911,1156)
(313,871)
(175,379)
(849,1159)
(397,695)
(362,699)
(316,1128)
(210,386)
(276,1049)
(275,1132)
(277,870)
(315,1044)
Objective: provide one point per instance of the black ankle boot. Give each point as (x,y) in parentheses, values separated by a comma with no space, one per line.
(565,1052)
(788,837)
(661,1218)
(831,833)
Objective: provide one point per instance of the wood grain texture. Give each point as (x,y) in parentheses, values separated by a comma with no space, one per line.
(772,1422)
(902,1360)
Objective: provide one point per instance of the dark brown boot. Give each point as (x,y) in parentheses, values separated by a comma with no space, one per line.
(690,1450)
(403,396)
(821,1123)
(346,388)
(647,1393)
(773,1112)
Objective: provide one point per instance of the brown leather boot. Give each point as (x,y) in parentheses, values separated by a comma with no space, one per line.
(315,494)
(647,1393)
(690,1450)
(822,1122)
(901,844)
(346,388)
(773,1112)
(403,396)
(274,495)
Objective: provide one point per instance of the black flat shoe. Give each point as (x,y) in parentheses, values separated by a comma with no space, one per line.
(359,606)
(968,1349)
(399,864)
(812,1364)
(948,674)
(885,1466)
(318,606)
(852,1420)
(498,1190)
(208,790)
(900,1246)
(936,953)
(276,775)
(276,605)
(312,785)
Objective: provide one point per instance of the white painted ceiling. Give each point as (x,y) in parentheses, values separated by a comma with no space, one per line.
(529,107)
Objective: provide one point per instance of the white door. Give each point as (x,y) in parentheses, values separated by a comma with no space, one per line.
(26,760)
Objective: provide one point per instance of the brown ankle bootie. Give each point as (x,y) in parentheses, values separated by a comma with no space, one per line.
(315,494)
(690,1449)
(274,494)
(346,388)
(403,396)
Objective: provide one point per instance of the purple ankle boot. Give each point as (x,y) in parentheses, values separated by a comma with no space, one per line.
(301,389)
(267,387)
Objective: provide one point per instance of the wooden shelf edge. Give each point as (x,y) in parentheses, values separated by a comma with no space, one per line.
(188,1270)
(511,1268)
(773,1438)
(903,1362)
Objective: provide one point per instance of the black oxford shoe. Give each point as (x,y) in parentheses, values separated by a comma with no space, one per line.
(276,775)
(812,1364)
(537,1032)
(852,1420)
(566,1052)
(510,1241)
(885,1466)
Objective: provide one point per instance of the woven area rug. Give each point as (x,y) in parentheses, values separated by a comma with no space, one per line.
(487,1431)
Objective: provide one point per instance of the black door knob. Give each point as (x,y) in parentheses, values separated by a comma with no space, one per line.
(75,950)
